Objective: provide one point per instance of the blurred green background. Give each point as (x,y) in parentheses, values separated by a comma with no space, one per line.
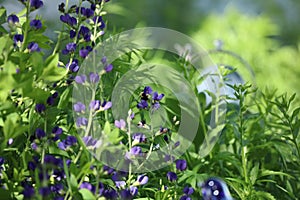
(265,34)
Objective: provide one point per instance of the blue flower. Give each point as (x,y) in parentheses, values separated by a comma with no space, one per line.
(142,179)
(57,132)
(99,21)
(143,104)
(18,39)
(138,138)
(39,108)
(95,105)
(171,176)
(72,34)
(85,33)
(81,121)
(36,24)
(157,97)
(80,79)
(28,192)
(32,47)
(94,77)
(83,52)
(215,188)
(66,18)
(108,68)
(120,184)
(188,190)
(12,19)
(181,165)
(70,48)
(185,197)
(36,3)
(45,191)
(79,107)
(120,124)
(40,133)
(147,90)
(73,67)
(88,186)
(90,142)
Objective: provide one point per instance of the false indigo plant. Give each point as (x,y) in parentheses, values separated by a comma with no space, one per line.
(46,152)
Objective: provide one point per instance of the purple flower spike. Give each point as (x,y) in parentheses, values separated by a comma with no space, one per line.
(120,124)
(12,19)
(171,176)
(79,107)
(94,77)
(36,24)
(80,79)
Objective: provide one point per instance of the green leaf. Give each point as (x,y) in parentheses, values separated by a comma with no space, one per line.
(52,72)
(56,151)
(107,128)
(73,181)
(64,98)
(254,173)
(5,194)
(2,15)
(86,194)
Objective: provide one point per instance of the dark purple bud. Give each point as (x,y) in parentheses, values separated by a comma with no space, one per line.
(72,34)
(31,165)
(18,38)
(156,105)
(171,176)
(36,3)
(185,197)
(106,105)
(39,108)
(104,60)
(50,101)
(40,133)
(181,165)
(88,186)
(188,190)
(136,150)
(12,19)
(71,140)
(73,67)
(83,53)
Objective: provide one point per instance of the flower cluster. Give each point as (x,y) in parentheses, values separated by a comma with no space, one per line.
(146,99)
